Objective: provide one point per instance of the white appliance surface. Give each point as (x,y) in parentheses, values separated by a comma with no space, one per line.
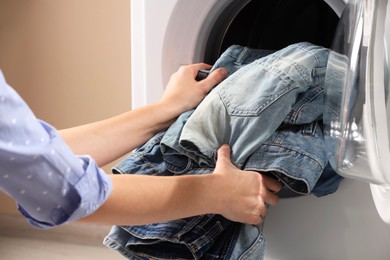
(344,225)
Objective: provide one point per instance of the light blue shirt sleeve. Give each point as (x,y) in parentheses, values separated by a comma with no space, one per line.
(51,185)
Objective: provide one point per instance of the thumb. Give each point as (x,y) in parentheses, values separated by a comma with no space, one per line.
(214,78)
(223,156)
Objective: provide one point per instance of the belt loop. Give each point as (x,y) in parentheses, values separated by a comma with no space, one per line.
(242,57)
(310,129)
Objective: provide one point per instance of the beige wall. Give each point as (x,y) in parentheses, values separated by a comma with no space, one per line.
(69,59)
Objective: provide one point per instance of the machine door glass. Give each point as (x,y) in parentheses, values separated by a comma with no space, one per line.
(357,106)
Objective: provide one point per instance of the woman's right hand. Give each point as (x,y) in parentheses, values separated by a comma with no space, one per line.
(242,196)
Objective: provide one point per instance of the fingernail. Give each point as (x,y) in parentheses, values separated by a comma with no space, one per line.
(223,71)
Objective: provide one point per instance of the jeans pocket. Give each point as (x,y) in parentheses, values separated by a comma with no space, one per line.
(254,88)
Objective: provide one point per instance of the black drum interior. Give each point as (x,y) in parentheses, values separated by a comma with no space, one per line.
(271,24)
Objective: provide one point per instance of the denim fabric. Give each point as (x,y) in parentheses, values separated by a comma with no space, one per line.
(181,239)
(118,239)
(200,237)
(250,243)
(295,152)
(236,57)
(246,108)
(327,183)
(233,59)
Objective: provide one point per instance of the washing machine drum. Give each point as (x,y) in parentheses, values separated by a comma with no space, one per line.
(356,114)
(265,24)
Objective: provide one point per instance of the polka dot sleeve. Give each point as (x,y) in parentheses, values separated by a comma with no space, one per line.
(50,184)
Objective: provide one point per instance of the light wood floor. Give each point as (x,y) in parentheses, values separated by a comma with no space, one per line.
(20,241)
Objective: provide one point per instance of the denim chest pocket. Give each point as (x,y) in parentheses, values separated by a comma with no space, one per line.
(249,92)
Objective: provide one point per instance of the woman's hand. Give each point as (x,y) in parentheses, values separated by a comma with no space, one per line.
(243,195)
(183,92)
(141,199)
(109,139)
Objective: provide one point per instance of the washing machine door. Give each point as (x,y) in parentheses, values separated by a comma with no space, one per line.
(357,104)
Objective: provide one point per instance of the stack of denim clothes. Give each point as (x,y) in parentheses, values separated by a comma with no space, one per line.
(269,109)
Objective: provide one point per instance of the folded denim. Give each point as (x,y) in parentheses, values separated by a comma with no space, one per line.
(143,248)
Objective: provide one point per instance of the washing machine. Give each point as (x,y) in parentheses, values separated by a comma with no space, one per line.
(354,222)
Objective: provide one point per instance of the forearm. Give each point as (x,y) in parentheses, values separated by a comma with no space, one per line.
(109,139)
(237,195)
(139,199)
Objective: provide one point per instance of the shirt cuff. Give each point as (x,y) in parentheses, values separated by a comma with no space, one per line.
(93,188)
